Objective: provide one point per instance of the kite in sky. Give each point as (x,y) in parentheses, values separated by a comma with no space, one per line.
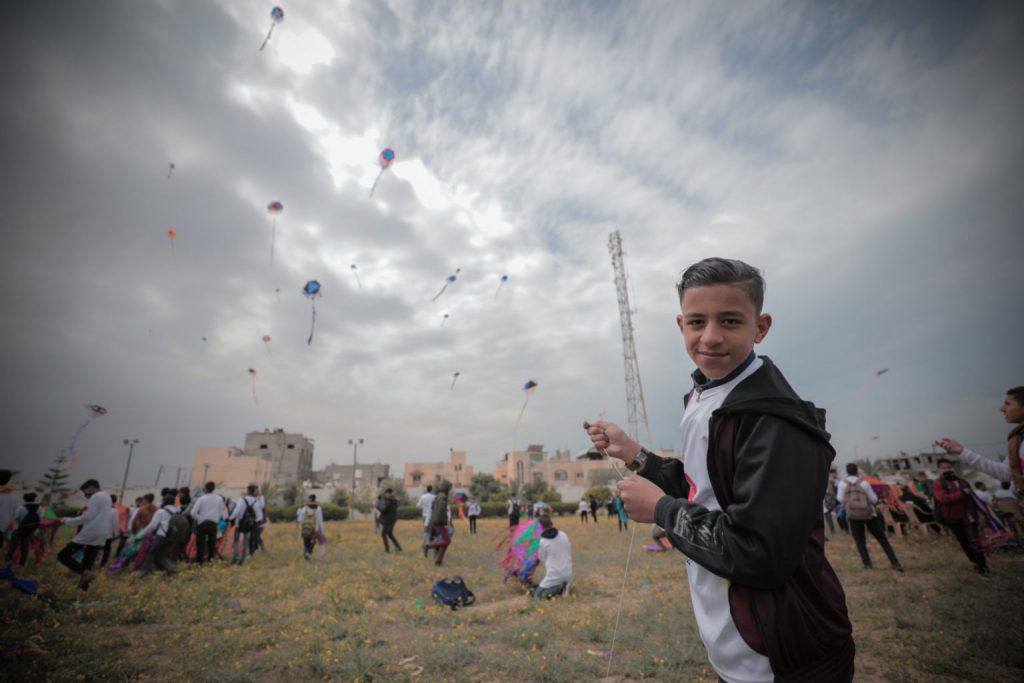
(266,342)
(311,291)
(529,388)
(447,281)
(355,271)
(455,377)
(172,235)
(277,16)
(170,170)
(881,372)
(387,157)
(504,279)
(444,319)
(273,208)
(94,412)
(252,374)
(203,347)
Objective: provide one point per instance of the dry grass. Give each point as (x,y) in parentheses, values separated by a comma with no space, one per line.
(358,614)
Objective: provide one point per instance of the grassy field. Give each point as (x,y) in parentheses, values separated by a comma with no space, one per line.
(356,614)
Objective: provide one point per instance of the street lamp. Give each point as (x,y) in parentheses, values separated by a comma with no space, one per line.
(130,443)
(355,446)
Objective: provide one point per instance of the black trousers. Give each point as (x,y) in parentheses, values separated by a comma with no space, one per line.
(877,528)
(387,530)
(472,524)
(20,538)
(206,541)
(89,552)
(965,534)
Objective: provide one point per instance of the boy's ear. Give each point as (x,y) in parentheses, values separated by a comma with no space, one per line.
(764,323)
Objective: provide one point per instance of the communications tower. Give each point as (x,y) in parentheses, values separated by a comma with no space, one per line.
(636,411)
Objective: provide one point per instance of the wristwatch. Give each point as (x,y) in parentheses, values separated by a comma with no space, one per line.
(639,461)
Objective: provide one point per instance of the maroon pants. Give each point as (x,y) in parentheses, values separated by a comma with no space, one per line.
(441,545)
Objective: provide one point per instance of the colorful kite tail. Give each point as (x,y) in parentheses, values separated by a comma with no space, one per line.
(273,238)
(375,181)
(312,326)
(267,39)
(74,439)
(441,292)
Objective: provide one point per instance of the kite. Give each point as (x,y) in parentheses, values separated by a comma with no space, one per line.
(94,412)
(529,388)
(444,319)
(355,271)
(277,15)
(521,557)
(170,170)
(455,377)
(252,373)
(203,347)
(273,208)
(504,279)
(447,281)
(278,291)
(266,342)
(172,235)
(881,372)
(387,157)
(311,291)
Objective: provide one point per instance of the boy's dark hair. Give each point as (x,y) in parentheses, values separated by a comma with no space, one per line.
(149,497)
(429,488)
(30,497)
(312,497)
(183,489)
(1005,485)
(139,500)
(943,460)
(5,476)
(388,491)
(851,468)
(209,487)
(545,521)
(168,500)
(113,498)
(721,271)
(1017,393)
(89,484)
(251,489)
(164,491)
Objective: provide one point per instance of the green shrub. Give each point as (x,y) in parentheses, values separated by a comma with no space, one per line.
(66,510)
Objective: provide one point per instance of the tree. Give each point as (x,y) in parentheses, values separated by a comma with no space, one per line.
(340,497)
(535,490)
(600,492)
(55,479)
(398,488)
(290,493)
(482,486)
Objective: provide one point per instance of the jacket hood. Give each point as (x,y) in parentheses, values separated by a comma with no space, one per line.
(549,533)
(767,392)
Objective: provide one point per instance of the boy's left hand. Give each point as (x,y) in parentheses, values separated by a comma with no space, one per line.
(639,497)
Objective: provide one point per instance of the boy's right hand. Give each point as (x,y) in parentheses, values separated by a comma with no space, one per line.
(610,438)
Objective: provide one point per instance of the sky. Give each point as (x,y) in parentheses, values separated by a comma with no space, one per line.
(866,156)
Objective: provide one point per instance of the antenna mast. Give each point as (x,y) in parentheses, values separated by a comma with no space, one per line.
(636,411)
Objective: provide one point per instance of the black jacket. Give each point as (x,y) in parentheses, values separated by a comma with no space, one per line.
(768,461)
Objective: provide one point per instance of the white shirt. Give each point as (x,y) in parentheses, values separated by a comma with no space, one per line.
(984,495)
(999,470)
(584,506)
(244,502)
(556,554)
(425,503)
(474,509)
(8,506)
(730,656)
(95,521)
(1004,493)
(208,507)
(305,510)
(161,521)
(851,480)
(115,524)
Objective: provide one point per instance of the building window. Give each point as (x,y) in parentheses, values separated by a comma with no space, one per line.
(579,475)
(263,446)
(291,446)
(537,457)
(561,475)
(416,478)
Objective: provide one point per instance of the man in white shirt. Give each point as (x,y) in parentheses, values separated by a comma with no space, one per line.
(95,528)
(1010,469)
(426,502)
(164,548)
(310,519)
(473,511)
(207,511)
(875,524)
(556,553)
(247,515)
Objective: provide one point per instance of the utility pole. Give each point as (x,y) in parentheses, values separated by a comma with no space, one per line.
(130,443)
(206,469)
(355,446)
(177,478)
(158,473)
(636,411)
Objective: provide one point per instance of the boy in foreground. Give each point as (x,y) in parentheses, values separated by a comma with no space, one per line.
(746,511)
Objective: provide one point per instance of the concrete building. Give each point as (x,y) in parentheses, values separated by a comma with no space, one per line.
(290,455)
(341,476)
(418,475)
(228,467)
(570,476)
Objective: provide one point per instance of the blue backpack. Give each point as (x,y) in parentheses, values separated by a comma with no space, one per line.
(453,593)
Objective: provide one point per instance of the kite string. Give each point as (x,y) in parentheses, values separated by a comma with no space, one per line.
(625,572)
(312,324)
(265,40)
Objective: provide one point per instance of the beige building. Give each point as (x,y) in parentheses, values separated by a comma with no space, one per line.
(418,475)
(569,476)
(228,467)
(343,476)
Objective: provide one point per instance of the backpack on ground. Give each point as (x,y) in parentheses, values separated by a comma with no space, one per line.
(453,593)
(857,504)
(308,526)
(247,524)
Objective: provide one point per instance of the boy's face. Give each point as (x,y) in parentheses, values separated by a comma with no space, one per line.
(720,326)
(1012,411)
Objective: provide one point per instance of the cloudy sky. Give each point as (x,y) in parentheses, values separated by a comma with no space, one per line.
(867,156)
